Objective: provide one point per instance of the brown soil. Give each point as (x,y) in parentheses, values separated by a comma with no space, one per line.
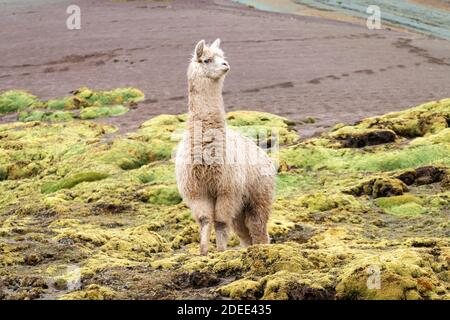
(291,65)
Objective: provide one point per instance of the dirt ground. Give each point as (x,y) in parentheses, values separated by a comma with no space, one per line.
(294,66)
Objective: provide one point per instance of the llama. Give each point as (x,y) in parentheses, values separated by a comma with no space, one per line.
(225,178)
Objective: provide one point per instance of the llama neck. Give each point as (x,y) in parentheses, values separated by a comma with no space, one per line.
(206,102)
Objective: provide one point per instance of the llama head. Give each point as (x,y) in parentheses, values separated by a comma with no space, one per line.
(208,62)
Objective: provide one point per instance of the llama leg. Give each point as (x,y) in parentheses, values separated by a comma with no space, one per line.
(241,230)
(256,222)
(205,234)
(221,235)
(203,211)
(224,211)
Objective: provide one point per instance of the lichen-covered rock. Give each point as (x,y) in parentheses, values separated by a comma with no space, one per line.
(429,118)
(380,187)
(423,175)
(360,138)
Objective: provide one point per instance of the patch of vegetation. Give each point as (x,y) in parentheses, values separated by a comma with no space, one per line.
(74,194)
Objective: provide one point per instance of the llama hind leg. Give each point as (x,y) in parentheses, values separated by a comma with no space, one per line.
(226,208)
(241,230)
(256,222)
(203,211)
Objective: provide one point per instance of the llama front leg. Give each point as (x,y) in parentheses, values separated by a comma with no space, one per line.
(205,234)
(225,210)
(203,211)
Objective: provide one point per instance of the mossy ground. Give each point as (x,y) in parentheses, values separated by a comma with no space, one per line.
(77,199)
(84,103)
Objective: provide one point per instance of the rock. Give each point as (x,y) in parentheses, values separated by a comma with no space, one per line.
(423,175)
(379,187)
(32,259)
(363,138)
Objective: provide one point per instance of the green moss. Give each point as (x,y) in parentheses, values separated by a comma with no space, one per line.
(66,103)
(407,209)
(405,205)
(34,115)
(406,158)
(101,112)
(39,115)
(161,195)
(93,104)
(429,118)
(309,120)
(317,157)
(72,181)
(113,97)
(3,173)
(16,100)
(59,116)
(390,202)
(265,128)
(127,154)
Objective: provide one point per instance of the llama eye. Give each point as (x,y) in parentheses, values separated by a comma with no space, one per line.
(207,61)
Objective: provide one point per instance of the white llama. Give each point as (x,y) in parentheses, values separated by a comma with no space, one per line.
(224,177)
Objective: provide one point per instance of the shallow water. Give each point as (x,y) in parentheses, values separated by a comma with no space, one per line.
(421,18)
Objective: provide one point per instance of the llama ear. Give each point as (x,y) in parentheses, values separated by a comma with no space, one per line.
(199,49)
(216,43)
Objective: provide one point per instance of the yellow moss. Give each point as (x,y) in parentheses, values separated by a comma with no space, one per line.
(161,195)
(92,292)
(242,289)
(266,259)
(379,187)
(325,202)
(399,274)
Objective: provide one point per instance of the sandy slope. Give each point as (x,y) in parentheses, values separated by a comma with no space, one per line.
(294,66)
